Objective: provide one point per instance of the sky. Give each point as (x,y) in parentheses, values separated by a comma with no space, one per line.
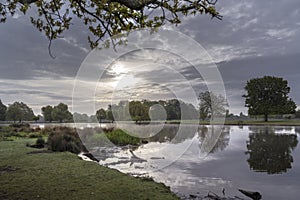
(255,38)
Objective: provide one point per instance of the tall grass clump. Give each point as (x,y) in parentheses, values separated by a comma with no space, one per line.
(65,139)
(119,137)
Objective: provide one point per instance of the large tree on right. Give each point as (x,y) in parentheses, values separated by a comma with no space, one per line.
(268,95)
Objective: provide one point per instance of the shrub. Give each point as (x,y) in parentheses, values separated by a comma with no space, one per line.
(35,135)
(19,125)
(40,142)
(108,129)
(119,137)
(65,139)
(20,130)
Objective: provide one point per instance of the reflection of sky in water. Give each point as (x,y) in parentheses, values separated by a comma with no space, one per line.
(226,168)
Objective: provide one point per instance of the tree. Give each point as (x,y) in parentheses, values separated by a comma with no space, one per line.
(101,114)
(106,17)
(203,113)
(19,111)
(173,109)
(61,113)
(3,109)
(268,95)
(14,113)
(109,114)
(297,114)
(211,105)
(138,111)
(47,113)
(36,118)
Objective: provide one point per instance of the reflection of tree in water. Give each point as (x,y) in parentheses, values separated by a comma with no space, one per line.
(297,130)
(214,140)
(175,133)
(166,134)
(270,152)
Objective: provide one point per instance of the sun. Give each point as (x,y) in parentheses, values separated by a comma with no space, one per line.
(119,69)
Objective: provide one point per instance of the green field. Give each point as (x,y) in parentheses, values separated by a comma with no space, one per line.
(28,173)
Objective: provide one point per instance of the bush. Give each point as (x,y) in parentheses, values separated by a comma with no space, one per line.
(119,137)
(65,139)
(19,125)
(108,129)
(40,142)
(35,135)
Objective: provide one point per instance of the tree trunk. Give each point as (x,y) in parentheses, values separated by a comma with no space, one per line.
(266,117)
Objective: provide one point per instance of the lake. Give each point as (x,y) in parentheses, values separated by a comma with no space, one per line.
(196,160)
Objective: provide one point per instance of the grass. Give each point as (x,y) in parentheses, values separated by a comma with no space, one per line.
(43,175)
(119,137)
(12,131)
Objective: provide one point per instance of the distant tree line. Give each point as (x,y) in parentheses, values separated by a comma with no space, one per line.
(139,111)
(58,113)
(265,96)
(19,111)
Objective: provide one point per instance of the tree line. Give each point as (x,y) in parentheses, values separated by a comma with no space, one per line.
(145,110)
(264,96)
(19,111)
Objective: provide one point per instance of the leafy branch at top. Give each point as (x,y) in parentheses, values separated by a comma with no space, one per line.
(106,18)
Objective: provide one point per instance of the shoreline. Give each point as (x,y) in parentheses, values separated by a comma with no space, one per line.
(63,175)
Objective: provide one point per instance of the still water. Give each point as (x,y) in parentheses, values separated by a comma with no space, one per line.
(196,160)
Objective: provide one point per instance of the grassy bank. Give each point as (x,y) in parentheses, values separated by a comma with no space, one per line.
(119,137)
(27,173)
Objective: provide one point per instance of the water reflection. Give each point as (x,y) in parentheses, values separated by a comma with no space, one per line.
(269,151)
(297,130)
(221,141)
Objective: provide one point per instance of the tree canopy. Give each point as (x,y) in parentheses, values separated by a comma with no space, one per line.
(143,110)
(268,95)
(106,17)
(211,105)
(19,111)
(2,111)
(101,114)
(59,113)
(47,113)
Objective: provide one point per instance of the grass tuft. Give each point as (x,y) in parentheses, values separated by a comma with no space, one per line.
(119,137)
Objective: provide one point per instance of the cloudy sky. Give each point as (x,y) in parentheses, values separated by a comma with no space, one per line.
(255,38)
